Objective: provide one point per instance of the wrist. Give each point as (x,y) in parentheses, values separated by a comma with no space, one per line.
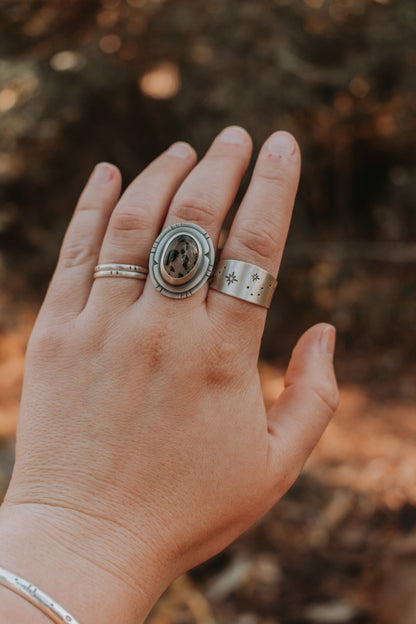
(79,564)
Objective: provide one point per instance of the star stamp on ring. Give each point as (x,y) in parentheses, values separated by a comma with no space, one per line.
(244,281)
(231,278)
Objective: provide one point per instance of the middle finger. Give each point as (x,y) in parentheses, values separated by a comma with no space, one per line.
(208,192)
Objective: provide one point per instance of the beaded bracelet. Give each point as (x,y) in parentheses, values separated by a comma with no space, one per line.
(37,597)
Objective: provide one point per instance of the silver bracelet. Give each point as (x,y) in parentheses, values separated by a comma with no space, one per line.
(36,597)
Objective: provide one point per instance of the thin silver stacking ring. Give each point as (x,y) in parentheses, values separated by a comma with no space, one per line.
(130,274)
(132,271)
(244,281)
(121,267)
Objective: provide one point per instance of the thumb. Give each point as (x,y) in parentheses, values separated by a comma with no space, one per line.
(310,396)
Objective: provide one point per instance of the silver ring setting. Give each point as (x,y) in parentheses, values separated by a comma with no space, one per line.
(181,260)
(244,281)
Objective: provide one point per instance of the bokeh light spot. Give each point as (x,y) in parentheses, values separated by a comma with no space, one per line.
(36,27)
(385,125)
(8,99)
(202,53)
(107,18)
(11,167)
(360,87)
(110,44)
(161,82)
(67,60)
(315,24)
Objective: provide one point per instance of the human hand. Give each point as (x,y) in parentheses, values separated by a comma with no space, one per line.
(143,443)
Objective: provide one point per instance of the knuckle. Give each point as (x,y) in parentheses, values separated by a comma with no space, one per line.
(76,253)
(201,209)
(328,395)
(46,341)
(88,206)
(258,239)
(153,346)
(285,471)
(126,221)
(220,363)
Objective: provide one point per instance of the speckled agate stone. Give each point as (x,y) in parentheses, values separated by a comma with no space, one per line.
(181,258)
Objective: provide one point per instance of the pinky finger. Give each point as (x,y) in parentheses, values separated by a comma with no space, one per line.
(71,283)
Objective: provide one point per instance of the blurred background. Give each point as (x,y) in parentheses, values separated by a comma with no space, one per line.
(119,80)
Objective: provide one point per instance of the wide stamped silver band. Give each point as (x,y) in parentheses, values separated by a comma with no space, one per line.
(37,597)
(244,281)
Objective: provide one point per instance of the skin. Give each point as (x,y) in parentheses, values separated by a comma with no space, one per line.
(143,444)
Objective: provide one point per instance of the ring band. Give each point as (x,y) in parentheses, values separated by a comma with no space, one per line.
(244,281)
(132,271)
(120,267)
(181,260)
(116,273)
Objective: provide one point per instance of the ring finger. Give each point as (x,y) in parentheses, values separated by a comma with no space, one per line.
(259,231)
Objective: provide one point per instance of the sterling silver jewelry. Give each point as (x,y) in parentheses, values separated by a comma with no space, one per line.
(181,260)
(36,597)
(131,274)
(121,267)
(121,270)
(244,281)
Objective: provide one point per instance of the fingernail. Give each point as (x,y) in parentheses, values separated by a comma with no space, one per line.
(233,135)
(102,173)
(327,340)
(282,143)
(180,150)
